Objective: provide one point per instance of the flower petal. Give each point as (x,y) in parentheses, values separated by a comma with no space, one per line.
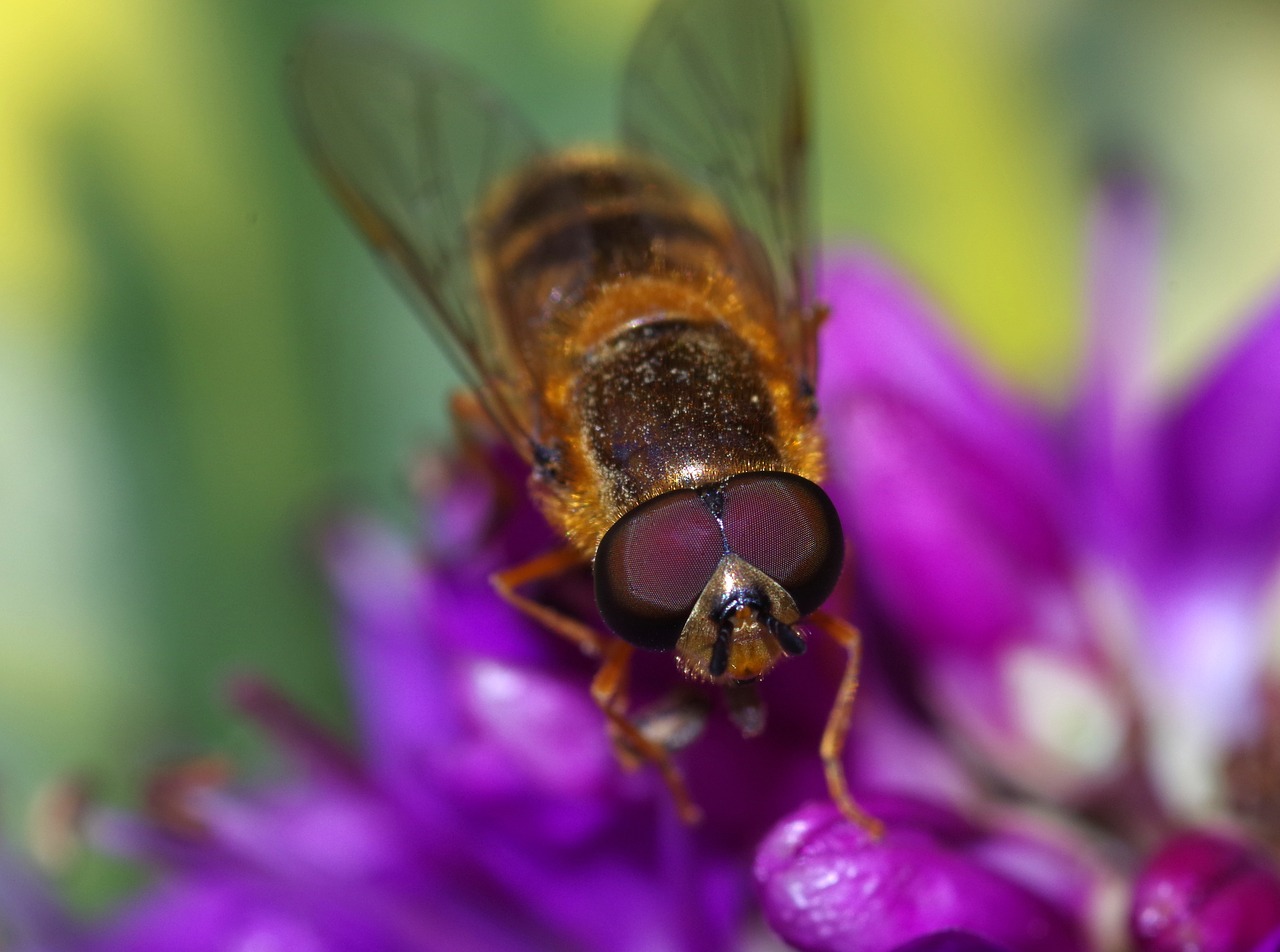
(1123,263)
(449,699)
(1220,449)
(1270,944)
(1205,892)
(1210,559)
(221,913)
(827,886)
(961,525)
(1114,418)
(952,940)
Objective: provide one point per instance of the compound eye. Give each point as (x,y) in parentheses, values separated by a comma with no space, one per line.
(653,564)
(787,527)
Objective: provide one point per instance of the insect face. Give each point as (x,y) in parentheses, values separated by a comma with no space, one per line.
(721,573)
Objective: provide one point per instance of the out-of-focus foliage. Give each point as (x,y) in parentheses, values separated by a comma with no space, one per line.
(197,358)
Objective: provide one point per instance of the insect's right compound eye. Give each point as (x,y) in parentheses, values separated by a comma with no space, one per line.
(653,564)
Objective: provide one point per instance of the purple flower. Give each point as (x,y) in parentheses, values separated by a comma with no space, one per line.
(1065,665)
(826,886)
(1078,597)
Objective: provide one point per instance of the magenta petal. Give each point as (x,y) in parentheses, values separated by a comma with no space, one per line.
(452,706)
(399,684)
(1221,450)
(399,676)
(221,913)
(1205,892)
(218,914)
(1270,944)
(1123,260)
(304,831)
(952,540)
(826,886)
(890,751)
(949,941)
(949,488)
(1114,417)
(960,521)
(1056,862)
(1210,559)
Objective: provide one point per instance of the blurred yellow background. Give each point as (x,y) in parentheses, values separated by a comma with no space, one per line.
(198,358)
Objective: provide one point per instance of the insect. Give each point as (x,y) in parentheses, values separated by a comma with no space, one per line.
(637,321)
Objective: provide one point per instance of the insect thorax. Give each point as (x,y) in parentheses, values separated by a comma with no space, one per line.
(674,403)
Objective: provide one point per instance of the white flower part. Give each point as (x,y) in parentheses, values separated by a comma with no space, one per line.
(1184,760)
(1199,688)
(1270,620)
(1065,711)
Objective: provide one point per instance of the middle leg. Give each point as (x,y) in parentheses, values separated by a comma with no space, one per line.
(607,689)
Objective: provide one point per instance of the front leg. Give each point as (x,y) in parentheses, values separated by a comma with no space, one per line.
(632,742)
(837,729)
(545,566)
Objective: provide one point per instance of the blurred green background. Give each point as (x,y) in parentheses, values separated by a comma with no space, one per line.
(198,358)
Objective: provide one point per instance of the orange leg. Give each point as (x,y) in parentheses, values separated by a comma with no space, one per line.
(818,314)
(837,729)
(606,688)
(548,565)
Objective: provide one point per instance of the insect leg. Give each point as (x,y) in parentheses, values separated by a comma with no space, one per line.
(605,689)
(670,724)
(547,565)
(817,316)
(608,688)
(833,736)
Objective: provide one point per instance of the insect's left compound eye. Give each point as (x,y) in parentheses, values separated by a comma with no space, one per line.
(653,564)
(787,527)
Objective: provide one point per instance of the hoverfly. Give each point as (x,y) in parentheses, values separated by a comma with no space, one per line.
(637,322)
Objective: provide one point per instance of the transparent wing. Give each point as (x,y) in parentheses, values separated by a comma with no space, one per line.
(411,146)
(716,88)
